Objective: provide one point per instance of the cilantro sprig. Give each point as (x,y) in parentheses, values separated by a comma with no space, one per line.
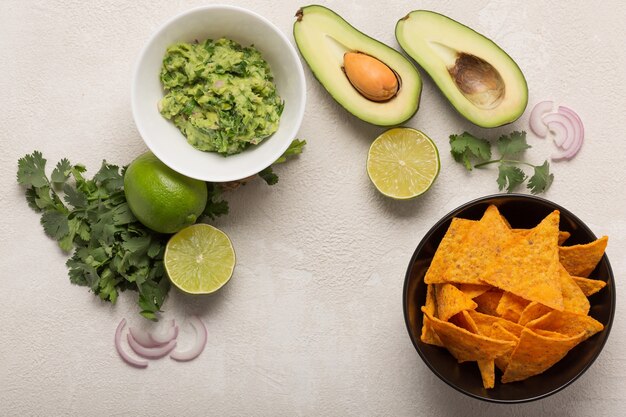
(467,148)
(112,250)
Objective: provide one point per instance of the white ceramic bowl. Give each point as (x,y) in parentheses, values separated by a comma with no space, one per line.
(246,28)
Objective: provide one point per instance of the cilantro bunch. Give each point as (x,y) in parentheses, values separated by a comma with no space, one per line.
(112,250)
(467,147)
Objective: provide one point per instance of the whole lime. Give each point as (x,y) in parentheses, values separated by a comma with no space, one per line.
(161,198)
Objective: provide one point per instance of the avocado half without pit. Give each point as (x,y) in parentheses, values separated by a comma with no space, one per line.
(372,81)
(480,80)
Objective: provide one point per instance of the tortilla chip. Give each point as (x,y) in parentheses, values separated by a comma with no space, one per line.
(487,303)
(569,324)
(450,301)
(589,286)
(485,321)
(511,306)
(486,366)
(533,311)
(527,266)
(535,353)
(446,253)
(574,300)
(467,346)
(497,331)
(428,334)
(548,333)
(487,372)
(563,235)
(473,290)
(581,260)
(465,321)
(466,258)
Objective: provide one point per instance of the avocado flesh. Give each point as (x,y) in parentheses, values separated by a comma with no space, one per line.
(478,78)
(323,37)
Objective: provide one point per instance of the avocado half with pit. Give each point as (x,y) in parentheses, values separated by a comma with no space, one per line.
(372,81)
(480,80)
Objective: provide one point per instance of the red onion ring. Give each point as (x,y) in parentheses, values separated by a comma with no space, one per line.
(162,337)
(571,148)
(560,133)
(538,127)
(118,345)
(568,153)
(199,344)
(579,128)
(143,337)
(150,353)
(565,121)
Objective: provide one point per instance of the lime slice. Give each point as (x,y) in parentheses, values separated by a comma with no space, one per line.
(403,163)
(199,259)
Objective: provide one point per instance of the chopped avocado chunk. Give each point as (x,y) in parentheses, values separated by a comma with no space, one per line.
(220,95)
(478,78)
(372,81)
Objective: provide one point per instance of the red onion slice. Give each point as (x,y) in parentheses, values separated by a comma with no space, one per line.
(570,152)
(199,344)
(560,133)
(571,148)
(537,125)
(150,353)
(125,356)
(565,121)
(143,337)
(164,336)
(579,128)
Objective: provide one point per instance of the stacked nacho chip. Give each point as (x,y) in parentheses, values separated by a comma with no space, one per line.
(514,299)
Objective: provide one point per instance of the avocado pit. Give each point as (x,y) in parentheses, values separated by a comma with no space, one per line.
(478,81)
(372,78)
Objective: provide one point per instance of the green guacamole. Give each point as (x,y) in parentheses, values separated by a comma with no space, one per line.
(220,95)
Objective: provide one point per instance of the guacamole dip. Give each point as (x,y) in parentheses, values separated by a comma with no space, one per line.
(220,95)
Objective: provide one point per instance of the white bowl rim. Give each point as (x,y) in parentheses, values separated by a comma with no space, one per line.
(254,169)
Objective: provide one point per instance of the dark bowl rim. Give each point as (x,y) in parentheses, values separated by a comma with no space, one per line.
(455,212)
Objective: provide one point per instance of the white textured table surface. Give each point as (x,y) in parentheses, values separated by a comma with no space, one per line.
(311,323)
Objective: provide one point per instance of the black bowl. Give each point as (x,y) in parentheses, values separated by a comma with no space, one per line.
(522,211)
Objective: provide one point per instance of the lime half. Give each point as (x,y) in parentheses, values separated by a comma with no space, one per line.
(403,163)
(199,259)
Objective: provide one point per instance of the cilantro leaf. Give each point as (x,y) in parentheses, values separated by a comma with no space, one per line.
(61,172)
(109,177)
(31,199)
(466,146)
(107,287)
(74,197)
(31,170)
(512,144)
(123,215)
(269,176)
(55,224)
(215,206)
(511,175)
(45,200)
(295,148)
(541,179)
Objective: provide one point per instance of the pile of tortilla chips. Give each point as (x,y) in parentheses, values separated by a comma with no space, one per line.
(510,298)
